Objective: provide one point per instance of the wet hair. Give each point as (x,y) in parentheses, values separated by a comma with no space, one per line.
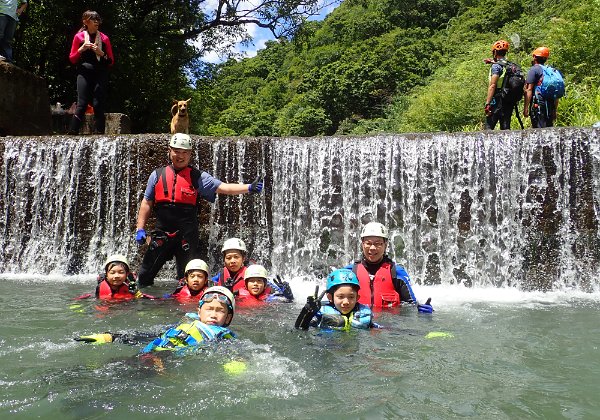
(90,15)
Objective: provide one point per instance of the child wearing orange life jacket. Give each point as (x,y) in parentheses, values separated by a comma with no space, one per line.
(194,282)
(234,260)
(258,288)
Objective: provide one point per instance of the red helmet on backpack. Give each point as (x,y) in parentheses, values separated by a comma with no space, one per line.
(501,45)
(543,52)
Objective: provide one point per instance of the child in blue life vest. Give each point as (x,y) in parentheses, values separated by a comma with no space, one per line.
(234,265)
(117,282)
(194,282)
(209,324)
(257,288)
(342,311)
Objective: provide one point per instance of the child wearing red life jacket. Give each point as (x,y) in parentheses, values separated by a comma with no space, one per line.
(257,287)
(194,283)
(117,282)
(234,260)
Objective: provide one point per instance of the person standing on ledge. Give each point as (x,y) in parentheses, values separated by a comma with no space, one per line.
(173,192)
(10,10)
(92,52)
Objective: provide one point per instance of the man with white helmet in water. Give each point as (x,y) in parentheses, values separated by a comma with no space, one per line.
(235,256)
(173,192)
(383,283)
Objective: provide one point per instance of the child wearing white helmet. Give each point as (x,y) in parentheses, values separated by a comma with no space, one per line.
(235,262)
(117,282)
(194,282)
(383,283)
(257,287)
(343,311)
(215,313)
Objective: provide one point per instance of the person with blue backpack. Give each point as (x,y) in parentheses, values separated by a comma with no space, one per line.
(544,86)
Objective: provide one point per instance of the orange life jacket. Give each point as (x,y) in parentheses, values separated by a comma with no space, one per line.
(103,291)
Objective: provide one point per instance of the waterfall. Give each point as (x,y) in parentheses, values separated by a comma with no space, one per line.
(514,208)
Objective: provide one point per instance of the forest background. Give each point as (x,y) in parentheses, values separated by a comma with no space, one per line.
(371,66)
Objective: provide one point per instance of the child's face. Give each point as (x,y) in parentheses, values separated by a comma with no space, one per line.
(255,285)
(344,298)
(196,280)
(116,276)
(214,313)
(233,260)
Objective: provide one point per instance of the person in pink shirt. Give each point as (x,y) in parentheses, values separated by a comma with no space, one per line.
(92,53)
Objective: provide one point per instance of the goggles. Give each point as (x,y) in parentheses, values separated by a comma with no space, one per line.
(209,297)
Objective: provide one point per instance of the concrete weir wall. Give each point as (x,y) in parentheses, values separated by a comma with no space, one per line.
(24,104)
(513,208)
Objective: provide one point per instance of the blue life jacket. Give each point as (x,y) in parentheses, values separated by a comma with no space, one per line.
(191,332)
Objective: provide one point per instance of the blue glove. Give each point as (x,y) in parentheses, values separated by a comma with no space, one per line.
(284,288)
(256,186)
(140,236)
(425,308)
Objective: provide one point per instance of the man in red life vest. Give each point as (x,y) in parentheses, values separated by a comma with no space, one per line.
(234,265)
(173,192)
(383,283)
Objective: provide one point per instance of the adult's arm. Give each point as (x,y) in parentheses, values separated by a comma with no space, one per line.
(492,88)
(75,48)
(528,96)
(233,189)
(144,213)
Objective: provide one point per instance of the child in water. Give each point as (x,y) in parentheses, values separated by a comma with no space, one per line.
(117,282)
(234,265)
(342,311)
(194,282)
(215,312)
(257,288)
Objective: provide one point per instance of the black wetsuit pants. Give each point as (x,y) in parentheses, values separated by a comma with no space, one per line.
(541,113)
(502,111)
(163,248)
(91,88)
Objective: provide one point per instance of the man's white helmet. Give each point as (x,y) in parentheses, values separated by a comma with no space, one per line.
(197,264)
(256,270)
(374,229)
(235,244)
(181,141)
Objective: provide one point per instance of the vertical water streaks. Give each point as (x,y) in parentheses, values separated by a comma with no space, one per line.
(482,209)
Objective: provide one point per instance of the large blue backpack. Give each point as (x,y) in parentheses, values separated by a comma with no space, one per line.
(552,85)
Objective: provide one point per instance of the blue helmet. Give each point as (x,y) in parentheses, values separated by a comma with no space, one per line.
(341,276)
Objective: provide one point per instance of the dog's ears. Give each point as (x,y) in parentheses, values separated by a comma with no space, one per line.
(188,100)
(175,101)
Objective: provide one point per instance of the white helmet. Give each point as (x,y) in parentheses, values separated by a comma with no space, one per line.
(256,270)
(181,141)
(116,258)
(197,264)
(234,243)
(222,291)
(374,229)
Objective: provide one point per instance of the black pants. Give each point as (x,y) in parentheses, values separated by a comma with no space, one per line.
(541,113)
(91,87)
(162,248)
(502,111)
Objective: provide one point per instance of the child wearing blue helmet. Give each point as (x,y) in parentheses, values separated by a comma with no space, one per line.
(342,311)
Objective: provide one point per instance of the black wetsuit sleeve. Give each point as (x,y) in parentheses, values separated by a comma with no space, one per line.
(134,338)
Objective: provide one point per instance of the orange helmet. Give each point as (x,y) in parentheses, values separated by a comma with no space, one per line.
(541,52)
(500,45)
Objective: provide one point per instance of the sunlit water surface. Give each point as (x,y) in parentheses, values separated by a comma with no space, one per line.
(510,355)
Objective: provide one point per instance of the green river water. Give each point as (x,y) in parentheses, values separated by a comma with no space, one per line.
(512,355)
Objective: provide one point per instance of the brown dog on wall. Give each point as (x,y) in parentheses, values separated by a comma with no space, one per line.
(180,123)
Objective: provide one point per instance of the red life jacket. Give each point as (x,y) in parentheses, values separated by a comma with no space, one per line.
(245,298)
(238,279)
(378,292)
(185,295)
(103,291)
(175,187)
